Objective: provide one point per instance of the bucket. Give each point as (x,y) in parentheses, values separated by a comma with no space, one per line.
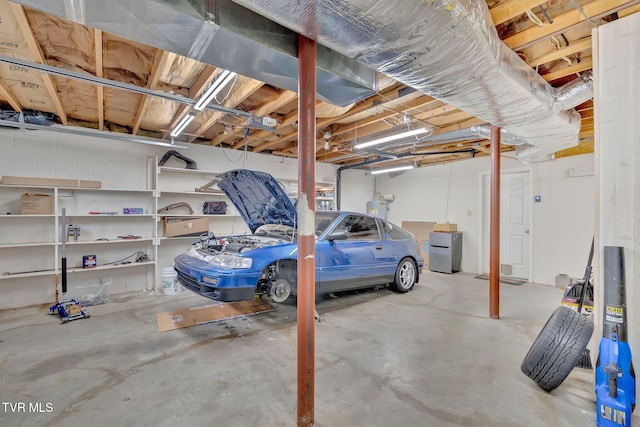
(169,281)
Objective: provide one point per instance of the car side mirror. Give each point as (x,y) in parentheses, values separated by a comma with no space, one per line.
(337,235)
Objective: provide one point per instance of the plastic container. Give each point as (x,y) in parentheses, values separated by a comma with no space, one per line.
(170,284)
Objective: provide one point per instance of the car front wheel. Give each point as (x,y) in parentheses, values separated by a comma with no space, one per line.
(405,276)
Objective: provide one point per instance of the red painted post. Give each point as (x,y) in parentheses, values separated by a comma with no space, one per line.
(494,227)
(306,228)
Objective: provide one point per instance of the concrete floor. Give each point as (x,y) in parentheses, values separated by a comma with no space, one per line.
(431,357)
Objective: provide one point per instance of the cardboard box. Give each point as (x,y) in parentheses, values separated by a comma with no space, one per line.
(186,317)
(184,226)
(445,227)
(421,230)
(51,182)
(36,204)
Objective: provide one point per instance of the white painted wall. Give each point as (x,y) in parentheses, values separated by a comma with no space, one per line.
(562,221)
(358,187)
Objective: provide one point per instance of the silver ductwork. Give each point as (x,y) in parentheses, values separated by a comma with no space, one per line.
(223,34)
(575,92)
(447,49)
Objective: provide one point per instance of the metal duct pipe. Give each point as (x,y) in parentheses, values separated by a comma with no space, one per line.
(484,131)
(223,34)
(447,49)
(575,92)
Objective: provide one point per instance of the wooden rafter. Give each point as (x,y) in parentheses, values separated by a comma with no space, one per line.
(574,47)
(511,9)
(97,48)
(203,80)
(37,56)
(566,70)
(321,123)
(286,121)
(237,96)
(161,60)
(284,98)
(628,11)
(415,104)
(4,93)
(561,23)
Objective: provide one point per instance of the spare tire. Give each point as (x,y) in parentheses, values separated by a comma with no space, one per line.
(558,348)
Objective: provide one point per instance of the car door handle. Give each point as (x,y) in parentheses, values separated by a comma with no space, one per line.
(378,248)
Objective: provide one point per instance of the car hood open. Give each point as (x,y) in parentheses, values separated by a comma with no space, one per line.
(258,197)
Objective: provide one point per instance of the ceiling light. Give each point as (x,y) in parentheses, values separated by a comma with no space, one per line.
(91,133)
(218,84)
(183,124)
(392,137)
(398,168)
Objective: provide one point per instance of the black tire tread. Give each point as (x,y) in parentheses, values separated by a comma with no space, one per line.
(395,285)
(558,348)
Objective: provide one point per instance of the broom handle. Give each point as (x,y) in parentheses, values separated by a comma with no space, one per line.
(64,251)
(587,276)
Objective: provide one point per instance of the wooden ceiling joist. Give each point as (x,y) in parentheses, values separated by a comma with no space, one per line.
(563,22)
(4,94)
(161,60)
(576,67)
(512,9)
(237,96)
(37,56)
(285,97)
(574,47)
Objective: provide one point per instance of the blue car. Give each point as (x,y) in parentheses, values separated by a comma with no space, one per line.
(353,250)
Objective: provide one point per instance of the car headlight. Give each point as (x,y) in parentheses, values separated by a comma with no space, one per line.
(230,261)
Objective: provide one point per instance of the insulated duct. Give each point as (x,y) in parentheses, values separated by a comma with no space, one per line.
(447,49)
(223,34)
(575,92)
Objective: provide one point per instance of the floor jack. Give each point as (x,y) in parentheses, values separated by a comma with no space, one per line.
(69,310)
(615,379)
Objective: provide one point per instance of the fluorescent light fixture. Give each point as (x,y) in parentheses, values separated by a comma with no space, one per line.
(91,133)
(218,84)
(183,124)
(392,138)
(398,168)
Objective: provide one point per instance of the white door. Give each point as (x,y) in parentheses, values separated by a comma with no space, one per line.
(515,224)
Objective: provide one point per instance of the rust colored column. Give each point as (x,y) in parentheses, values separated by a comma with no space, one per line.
(494,227)
(306,228)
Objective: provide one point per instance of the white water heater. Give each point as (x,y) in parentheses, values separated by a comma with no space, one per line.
(377,208)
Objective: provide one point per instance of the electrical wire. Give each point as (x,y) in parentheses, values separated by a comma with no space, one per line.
(235,79)
(534,18)
(140,257)
(582,13)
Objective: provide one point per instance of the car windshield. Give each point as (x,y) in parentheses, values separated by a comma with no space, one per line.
(275,230)
(323,220)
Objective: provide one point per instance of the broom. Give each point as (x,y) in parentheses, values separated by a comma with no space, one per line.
(585,360)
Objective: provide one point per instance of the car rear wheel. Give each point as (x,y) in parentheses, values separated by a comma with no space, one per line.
(405,276)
